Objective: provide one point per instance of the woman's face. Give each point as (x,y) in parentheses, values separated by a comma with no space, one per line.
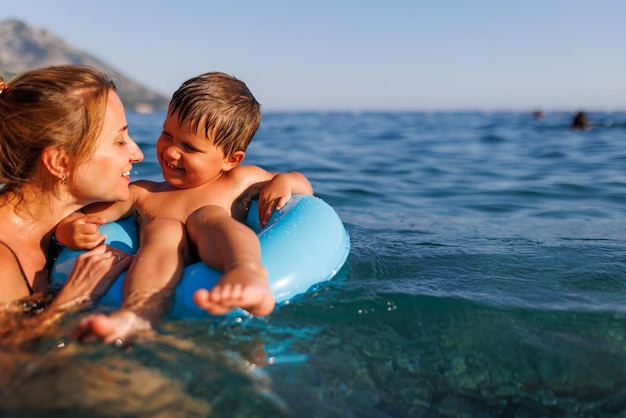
(106,175)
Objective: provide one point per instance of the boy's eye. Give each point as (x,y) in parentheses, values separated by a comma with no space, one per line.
(188,147)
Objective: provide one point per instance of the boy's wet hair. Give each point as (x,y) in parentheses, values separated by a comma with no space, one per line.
(219,106)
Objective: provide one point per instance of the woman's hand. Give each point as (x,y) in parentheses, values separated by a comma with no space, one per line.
(94,271)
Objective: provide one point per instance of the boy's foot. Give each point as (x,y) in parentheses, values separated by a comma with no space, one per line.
(117,327)
(241,287)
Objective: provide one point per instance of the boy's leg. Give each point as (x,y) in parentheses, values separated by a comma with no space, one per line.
(150,281)
(231,247)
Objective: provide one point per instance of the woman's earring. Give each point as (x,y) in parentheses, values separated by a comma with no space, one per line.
(63,177)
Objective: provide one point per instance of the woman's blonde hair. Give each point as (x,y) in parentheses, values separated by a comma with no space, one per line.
(60,106)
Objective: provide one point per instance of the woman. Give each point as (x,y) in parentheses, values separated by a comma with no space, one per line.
(64,144)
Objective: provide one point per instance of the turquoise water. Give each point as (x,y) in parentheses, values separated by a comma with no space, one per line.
(486,278)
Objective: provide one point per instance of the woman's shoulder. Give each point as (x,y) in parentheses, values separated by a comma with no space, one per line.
(14,284)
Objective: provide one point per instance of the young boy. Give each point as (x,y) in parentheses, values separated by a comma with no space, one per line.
(210,122)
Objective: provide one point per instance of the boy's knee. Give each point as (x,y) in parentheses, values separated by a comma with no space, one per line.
(162,228)
(206,214)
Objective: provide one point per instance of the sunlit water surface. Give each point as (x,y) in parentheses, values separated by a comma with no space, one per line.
(486,278)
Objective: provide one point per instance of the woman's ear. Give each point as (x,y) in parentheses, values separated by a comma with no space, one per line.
(233,160)
(56,162)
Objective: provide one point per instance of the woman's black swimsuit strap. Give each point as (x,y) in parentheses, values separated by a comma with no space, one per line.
(54,249)
(30,289)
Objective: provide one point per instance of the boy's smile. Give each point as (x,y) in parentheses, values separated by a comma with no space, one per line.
(188,159)
(172,166)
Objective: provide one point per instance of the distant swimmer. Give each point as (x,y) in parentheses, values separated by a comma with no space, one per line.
(538,114)
(580,122)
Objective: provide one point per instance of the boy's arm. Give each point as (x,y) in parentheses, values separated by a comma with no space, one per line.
(274,193)
(114,211)
(79,231)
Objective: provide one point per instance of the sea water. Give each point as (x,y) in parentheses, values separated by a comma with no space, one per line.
(487,277)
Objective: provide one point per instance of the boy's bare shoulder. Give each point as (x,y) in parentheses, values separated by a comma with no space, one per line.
(147,186)
(249,174)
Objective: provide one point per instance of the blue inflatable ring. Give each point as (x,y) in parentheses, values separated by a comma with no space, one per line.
(304,243)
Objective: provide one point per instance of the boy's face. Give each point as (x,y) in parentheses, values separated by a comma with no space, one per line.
(188,159)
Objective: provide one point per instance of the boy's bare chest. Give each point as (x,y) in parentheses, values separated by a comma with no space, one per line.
(180,203)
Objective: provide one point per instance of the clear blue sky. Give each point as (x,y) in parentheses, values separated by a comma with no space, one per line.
(361,55)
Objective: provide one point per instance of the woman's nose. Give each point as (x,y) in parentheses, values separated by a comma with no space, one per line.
(136,155)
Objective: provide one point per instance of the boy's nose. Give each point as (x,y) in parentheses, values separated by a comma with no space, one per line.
(172,152)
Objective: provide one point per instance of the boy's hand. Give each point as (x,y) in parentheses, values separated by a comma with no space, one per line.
(273,197)
(80,232)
